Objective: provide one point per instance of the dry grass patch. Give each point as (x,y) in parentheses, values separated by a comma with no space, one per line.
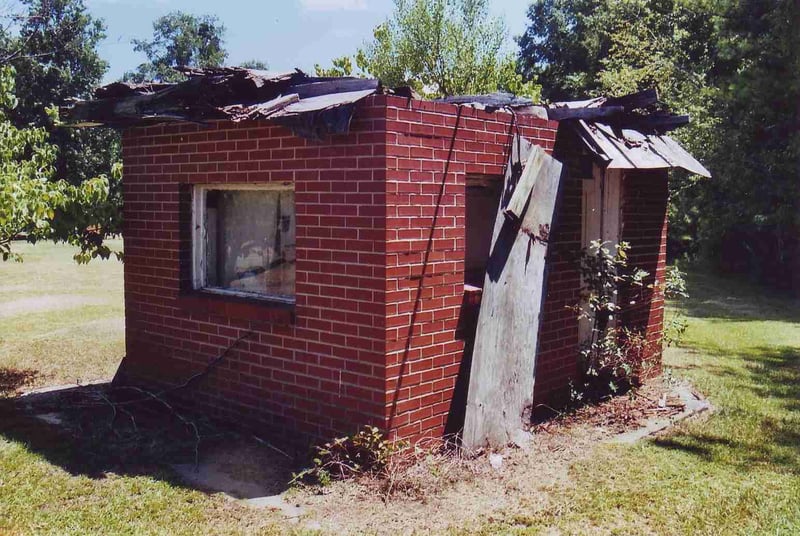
(61,321)
(432,488)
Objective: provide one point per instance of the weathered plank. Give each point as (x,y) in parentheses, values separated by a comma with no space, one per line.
(587,114)
(522,191)
(504,359)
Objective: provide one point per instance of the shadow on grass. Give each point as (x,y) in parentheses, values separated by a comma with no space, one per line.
(728,298)
(80,431)
(768,373)
(740,435)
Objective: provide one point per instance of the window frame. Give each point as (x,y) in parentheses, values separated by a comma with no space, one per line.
(199,280)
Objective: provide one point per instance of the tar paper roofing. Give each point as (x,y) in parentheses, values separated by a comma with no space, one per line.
(627,132)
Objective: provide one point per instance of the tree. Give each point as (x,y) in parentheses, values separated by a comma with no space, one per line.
(52,45)
(179,40)
(438,47)
(749,212)
(31,202)
(563,45)
(732,66)
(255,64)
(55,58)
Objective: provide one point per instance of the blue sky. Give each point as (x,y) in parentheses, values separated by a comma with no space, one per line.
(283,33)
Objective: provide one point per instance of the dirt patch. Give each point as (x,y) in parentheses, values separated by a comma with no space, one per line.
(38,304)
(13,380)
(623,413)
(472,492)
(241,469)
(440,491)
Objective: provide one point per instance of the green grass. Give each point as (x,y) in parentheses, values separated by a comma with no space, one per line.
(60,322)
(735,472)
(38,497)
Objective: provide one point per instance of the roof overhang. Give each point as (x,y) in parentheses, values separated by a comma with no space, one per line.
(625,148)
(311,106)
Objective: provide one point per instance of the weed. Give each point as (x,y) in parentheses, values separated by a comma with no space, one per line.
(365,452)
(612,357)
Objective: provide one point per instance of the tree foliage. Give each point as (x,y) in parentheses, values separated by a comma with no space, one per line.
(732,65)
(52,47)
(32,204)
(255,64)
(54,54)
(438,47)
(179,40)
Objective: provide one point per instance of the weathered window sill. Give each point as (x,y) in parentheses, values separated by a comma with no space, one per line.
(239,307)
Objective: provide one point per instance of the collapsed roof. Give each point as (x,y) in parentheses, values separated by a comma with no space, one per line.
(310,106)
(625,132)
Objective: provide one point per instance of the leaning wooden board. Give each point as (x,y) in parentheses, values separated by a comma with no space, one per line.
(501,381)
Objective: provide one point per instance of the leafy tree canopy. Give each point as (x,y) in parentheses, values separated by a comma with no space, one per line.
(34,205)
(54,54)
(732,65)
(179,40)
(438,47)
(255,64)
(52,47)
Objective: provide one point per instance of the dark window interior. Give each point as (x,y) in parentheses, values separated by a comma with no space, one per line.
(482,202)
(250,241)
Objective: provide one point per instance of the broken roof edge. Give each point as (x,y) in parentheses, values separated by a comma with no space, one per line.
(627,132)
(631,149)
(227,93)
(641,110)
(224,92)
(313,107)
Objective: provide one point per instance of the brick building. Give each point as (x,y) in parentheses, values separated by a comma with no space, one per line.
(340,276)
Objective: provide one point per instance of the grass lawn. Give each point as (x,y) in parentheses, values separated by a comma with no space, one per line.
(60,323)
(735,472)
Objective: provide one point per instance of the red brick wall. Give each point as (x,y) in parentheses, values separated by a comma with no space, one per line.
(425,256)
(374,336)
(644,225)
(318,370)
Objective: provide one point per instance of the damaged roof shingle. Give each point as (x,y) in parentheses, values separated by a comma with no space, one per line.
(231,93)
(625,132)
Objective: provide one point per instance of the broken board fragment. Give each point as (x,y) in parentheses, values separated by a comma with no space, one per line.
(522,190)
(501,382)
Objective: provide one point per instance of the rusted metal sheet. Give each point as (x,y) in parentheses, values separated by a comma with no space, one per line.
(630,149)
(229,93)
(323,102)
(262,110)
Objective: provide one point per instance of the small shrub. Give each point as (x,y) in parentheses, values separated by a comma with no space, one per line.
(675,329)
(675,284)
(365,452)
(612,357)
(675,289)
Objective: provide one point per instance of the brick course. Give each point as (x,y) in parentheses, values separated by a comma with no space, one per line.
(644,227)
(317,368)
